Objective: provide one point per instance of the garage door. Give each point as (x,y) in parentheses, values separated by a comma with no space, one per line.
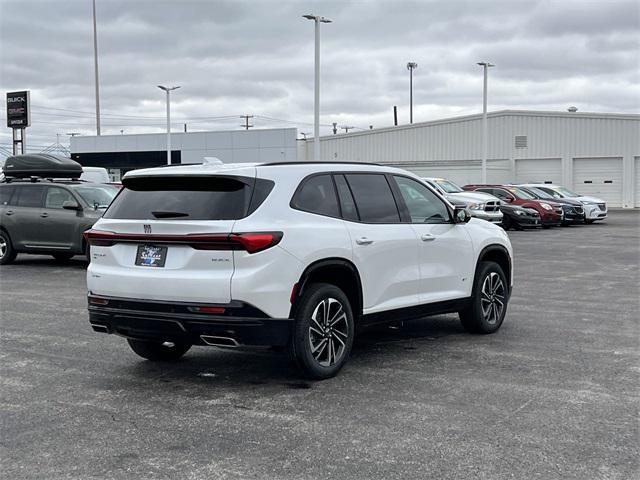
(539,170)
(599,177)
(636,188)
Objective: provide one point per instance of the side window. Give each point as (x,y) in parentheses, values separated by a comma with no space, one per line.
(423,205)
(501,194)
(348,204)
(5,194)
(30,196)
(56,196)
(373,198)
(317,195)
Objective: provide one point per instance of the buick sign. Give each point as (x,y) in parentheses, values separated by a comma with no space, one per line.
(18,111)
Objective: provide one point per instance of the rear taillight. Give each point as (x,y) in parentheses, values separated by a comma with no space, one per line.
(251,242)
(98,300)
(207,309)
(256,242)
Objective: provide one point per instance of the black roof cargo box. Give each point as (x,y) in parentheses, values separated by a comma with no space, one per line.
(41,165)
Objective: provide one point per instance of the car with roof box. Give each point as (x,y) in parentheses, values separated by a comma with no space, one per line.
(45,210)
(300,255)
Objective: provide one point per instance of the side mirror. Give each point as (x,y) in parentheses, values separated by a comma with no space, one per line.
(461,215)
(71,205)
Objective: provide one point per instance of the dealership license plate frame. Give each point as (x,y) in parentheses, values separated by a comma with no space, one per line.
(151,256)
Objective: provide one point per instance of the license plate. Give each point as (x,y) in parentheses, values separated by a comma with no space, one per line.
(151,256)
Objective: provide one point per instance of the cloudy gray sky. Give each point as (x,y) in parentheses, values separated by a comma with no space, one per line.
(256,57)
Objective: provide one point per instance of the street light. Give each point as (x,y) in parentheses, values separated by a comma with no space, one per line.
(485,66)
(316,103)
(411,66)
(168,90)
(95,66)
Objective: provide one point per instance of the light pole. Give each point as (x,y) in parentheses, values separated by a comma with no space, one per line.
(316,102)
(168,90)
(411,66)
(485,66)
(95,65)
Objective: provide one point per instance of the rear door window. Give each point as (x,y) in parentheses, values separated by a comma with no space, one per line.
(373,198)
(188,198)
(30,196)
(317,195)
(5,194)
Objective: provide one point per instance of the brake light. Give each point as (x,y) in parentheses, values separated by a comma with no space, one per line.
(98,301)
(99,238)
(256,242)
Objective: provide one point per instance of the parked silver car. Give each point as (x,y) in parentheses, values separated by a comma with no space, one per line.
(480,205)
(49,217)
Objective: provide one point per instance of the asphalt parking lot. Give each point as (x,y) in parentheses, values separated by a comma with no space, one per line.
(553,394)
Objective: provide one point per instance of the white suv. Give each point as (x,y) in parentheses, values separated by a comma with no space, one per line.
(287,254)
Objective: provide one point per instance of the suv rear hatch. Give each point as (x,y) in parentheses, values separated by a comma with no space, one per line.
(168,237)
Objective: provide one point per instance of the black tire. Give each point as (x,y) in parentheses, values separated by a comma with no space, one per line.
(480,317)
(566,224)
(158,351)
(506,222)
(7,252)
(313,330)
(588,222)
(62,257)
(546,227)
(87,252)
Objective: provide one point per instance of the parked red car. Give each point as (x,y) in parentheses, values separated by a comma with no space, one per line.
(551,213)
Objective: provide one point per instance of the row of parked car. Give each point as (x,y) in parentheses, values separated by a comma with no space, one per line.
(523,205)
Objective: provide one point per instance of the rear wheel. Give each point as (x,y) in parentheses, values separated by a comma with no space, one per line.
(7,253)
(324,331)
(488,302)
(158,351)
(62,257)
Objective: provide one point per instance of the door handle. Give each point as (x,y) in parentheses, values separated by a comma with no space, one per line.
(9,212)
(363,241)
(427,237)
(44,214)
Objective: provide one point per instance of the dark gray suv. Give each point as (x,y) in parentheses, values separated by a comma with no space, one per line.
(49,217)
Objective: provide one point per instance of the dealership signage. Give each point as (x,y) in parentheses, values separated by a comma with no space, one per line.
(18,110)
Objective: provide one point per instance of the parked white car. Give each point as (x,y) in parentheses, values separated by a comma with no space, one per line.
(594,208)
(287,254)
(480,205)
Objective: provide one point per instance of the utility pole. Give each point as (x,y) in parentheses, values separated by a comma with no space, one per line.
(246,121)
(346,128)
(95,65)
(411,66)
(335,127)
(483,173)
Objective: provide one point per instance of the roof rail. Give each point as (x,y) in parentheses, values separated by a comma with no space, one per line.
(307,162)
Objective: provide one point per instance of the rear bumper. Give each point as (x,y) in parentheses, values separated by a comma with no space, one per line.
(239,324)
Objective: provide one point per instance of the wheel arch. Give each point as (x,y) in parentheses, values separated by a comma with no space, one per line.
(337,271)
(500,255)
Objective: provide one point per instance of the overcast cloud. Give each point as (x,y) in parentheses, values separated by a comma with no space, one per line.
(256,57)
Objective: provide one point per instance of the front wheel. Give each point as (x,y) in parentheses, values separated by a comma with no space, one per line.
(489,300)
(323,333)
(7,253)
(159,351)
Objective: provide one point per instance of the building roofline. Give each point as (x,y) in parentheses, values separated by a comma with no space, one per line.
(478,116)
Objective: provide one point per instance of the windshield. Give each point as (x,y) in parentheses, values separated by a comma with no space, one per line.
(566,192)
(448,186)
(97,195)
(520,193)
(540,193)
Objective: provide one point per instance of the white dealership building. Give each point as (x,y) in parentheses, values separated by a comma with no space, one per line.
(593,153)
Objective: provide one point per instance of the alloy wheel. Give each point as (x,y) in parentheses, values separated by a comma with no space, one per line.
(328,332)
(3,246)
(492,298)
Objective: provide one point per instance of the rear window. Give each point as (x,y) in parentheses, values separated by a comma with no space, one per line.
(189,198)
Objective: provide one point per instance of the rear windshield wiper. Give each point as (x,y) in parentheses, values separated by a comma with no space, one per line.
(169,214)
